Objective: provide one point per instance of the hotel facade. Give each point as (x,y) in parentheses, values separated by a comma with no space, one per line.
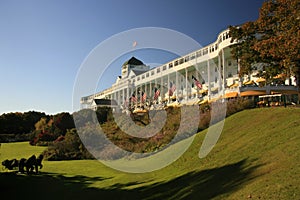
(206,74)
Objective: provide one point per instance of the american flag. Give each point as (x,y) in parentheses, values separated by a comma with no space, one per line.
(172,89)
(197,83)
(144,96)
(156,93)
(133,98)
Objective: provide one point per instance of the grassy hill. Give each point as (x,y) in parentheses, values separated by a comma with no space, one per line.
(257,157)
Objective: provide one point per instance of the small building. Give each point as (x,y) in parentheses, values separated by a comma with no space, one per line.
(104,103)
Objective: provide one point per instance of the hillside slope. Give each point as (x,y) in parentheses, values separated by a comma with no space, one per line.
(257,157)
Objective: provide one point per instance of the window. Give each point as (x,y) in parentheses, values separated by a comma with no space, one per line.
(205,51)
(164,67)
(181,61)
(152,73)
(147,75)
(170,65)
(216,46)
(176,63)
(138,78)
(157,70)
(192,56)
(198,54)
(227,35)
(143,76)
(186,59)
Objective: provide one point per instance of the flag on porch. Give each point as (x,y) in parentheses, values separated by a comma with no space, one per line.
(197,83)
(144,96)
(172,89)
(133,98)
(156,93)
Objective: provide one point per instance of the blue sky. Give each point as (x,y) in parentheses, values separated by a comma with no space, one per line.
(44,42)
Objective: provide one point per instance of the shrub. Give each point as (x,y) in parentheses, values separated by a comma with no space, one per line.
(71,148)
(237,105)
(93,135)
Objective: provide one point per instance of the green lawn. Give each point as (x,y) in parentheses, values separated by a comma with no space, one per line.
(256,156)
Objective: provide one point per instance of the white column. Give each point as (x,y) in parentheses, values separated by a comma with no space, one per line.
(119,97)
(136,95)
(197,77)
(168,86)
(186,83)
(162,88)
(208,79)
(176,82)
(123,97)
(221,86)
(146,88)
(127,95)
(150,89)
(223,72)
(114,96)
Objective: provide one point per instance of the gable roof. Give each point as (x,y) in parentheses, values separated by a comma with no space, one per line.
(133,61)
(137,72)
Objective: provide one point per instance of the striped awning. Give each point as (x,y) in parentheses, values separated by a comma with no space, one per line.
(203,91)
(279,76)
(231,95)
(284,92)
(234,85)
(203,101)
(260,80)
(215,89)
(252,93)
(251,82)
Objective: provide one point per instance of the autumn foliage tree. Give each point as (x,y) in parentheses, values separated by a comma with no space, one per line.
(52,128)
(274,39)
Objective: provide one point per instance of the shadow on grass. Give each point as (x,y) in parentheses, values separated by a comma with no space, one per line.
(204,184)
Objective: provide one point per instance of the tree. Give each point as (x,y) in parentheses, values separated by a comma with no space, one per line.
(279,23)
(243,51)
(41,124)
(19,123)
(49,129)
(273,39)
(63,121)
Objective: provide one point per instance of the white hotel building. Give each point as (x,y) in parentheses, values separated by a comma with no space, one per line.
(213,66)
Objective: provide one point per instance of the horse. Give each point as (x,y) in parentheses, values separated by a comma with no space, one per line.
(10,164)
(22,165)
(31,164)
